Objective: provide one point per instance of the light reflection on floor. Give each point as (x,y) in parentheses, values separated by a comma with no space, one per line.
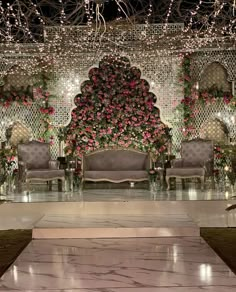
(93,192)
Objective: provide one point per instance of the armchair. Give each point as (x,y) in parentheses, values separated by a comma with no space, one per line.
(35,164)
(197,160)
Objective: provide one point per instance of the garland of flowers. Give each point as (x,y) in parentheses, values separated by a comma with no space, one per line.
(22,97)
(192,97)
(115,109)
(25,97)
(42,93)
(8,165)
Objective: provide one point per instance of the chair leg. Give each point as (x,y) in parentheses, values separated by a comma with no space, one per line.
(81,184)
(168,182)
(27,187)
(202,179)
(60,185)
(212,182)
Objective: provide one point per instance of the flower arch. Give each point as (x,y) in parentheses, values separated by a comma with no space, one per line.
(115,109)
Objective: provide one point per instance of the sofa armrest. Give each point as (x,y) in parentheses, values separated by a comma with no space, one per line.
(177,163)
(209,167)
(54,164)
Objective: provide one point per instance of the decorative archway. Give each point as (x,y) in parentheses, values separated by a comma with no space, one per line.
(215,74)
(115,109)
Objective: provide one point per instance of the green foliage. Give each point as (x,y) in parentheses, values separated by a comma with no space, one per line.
(8,165)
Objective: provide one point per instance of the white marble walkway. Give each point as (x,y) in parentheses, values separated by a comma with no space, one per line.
(182,264)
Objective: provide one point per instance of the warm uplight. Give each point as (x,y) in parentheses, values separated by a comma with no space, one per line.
(205,273)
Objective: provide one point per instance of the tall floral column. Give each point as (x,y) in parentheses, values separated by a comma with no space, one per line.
(43,96)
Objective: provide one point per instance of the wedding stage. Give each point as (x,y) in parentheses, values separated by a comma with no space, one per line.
(101,75)
(104,207)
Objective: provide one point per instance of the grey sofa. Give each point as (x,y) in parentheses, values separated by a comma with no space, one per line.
(115,165)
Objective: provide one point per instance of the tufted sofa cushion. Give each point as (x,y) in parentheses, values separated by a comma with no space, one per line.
(116,160)
(116,165)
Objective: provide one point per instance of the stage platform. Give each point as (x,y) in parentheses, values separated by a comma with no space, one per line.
(114,226)
(15,215)
(103,192)
(204,208)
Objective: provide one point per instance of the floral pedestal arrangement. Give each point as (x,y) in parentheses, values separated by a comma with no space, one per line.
(8,170)
(73,180)
(154,183)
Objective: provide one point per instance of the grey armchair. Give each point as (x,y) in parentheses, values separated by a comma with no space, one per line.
(197,160)
(35,164)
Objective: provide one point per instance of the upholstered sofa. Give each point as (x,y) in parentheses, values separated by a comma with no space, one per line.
(115,165)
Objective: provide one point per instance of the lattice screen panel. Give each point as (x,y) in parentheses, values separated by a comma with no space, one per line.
(218,110)
(120,35)
(201,60)
(4,67)
(18,81)
(215,74)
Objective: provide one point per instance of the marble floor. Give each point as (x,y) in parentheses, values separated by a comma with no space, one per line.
(95,192)
(115,226)
(182,264)
(159,264)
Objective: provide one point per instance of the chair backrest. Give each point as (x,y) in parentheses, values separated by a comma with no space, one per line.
(197,151)
(35,154)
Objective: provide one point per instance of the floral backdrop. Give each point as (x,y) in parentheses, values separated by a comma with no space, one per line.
(115,109)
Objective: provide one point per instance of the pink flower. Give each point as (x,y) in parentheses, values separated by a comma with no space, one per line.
(132,84)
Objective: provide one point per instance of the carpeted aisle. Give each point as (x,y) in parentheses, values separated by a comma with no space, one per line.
(12,242)
(223,242)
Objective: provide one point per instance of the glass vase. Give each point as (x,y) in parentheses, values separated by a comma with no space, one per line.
(10,184)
